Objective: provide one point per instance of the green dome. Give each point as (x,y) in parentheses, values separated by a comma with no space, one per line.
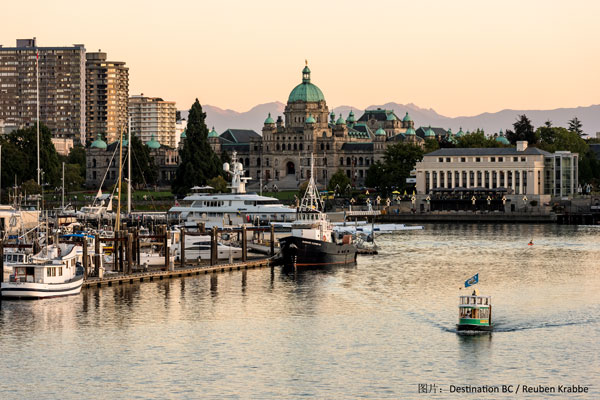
(380,132)
(340,121)
(501,138)
(351,117)
(429,133)
(407,118)
(310,119)
(306,91)
(269,120)
(213,133)
(152,143)
(391,117)
(460,132)
(99,143)
(410,132)
(183,134)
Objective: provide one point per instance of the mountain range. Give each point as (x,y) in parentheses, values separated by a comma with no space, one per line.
(489,122)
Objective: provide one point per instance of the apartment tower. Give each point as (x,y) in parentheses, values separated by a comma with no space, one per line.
(61,88)
(107,93)
(152,117)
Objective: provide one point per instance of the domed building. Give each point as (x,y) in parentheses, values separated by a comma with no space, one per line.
(281,156)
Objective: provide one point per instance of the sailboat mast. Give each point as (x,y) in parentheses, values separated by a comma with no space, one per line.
(129,167)
(118,218)
(63,187)
(37,92)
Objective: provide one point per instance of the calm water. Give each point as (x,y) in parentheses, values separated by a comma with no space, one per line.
(375,330)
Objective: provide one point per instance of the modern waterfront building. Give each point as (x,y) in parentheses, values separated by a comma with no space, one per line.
(61,88)
(107,94)
(280,157)
(154,117)
(519,170)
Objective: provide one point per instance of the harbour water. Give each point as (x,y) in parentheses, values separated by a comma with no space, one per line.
(375,330)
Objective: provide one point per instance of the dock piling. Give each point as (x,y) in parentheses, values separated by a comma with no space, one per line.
(85,258)
(1,261)
(96,255)
(182,248)
(244,244)
(272,241)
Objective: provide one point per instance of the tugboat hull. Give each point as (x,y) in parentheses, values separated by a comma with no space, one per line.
(301,252)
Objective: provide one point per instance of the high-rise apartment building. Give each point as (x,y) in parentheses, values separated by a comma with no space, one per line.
(152,117)
(107,94)
(61,88)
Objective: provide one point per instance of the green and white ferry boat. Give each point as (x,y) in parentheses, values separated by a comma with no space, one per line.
(475,313)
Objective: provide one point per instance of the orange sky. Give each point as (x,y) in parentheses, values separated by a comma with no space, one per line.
(457,57)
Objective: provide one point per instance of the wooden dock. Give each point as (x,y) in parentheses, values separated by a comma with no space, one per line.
(119,279)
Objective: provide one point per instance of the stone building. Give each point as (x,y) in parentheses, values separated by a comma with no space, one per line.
(281,155)
(103,162)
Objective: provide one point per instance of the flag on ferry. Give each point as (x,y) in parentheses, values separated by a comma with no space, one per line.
(472,280)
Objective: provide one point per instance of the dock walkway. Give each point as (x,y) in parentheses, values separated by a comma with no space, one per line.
(119,279)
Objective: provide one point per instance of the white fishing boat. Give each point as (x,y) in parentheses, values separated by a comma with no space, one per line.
(235,208)
(53,272)
(198,247)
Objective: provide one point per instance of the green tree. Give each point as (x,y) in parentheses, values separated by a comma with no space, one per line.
(339,181)
(77,156)
(219,184)
(398,161)
(19,156)
(431,145)
(523,130)
(144,170)
(73,177)
(576,126)
(198,162)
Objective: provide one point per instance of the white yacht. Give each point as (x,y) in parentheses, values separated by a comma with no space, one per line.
(198,247)
(55,271)
(235,208)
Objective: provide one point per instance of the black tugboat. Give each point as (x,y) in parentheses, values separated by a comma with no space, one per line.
(313,242)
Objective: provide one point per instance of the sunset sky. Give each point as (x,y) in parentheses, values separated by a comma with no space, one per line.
(457,57)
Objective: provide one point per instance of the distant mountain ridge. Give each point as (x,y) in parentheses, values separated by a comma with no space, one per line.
(489,122)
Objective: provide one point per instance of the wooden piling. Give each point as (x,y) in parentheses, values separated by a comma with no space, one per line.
(213,246)
(129,253)
(1,261)
(244,244)
(115,252)
(121,264)
(85,258)
(272,240)
(166,244)
(182,247)
(97,255)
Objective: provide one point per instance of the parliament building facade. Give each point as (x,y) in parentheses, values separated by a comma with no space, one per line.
(281,156)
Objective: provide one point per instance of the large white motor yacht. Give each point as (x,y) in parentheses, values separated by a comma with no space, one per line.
(227,209)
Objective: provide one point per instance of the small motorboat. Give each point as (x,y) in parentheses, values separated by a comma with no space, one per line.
(475,313)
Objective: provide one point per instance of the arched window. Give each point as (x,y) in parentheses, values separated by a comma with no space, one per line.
(322,146)
(258,162)
(295,146)
(367,161)
(360,161)
(341,160)
(348,162)
(93,163)
(301,146)
(277,147)
(325,161)
(327,146)
(289,146)
(247,164)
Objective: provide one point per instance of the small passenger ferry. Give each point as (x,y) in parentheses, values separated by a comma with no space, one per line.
(475,313)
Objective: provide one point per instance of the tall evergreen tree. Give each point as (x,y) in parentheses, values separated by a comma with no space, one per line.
(523,130)
(198,162)
(576,126)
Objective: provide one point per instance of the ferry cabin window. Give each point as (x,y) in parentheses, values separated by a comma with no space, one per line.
(479,300)
(59,271)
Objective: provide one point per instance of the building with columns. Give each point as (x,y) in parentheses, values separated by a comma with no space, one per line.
(281,155)
(519,170)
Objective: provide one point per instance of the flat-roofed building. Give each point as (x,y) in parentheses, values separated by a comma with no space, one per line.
(153,117)
(107,92)
(61,88)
